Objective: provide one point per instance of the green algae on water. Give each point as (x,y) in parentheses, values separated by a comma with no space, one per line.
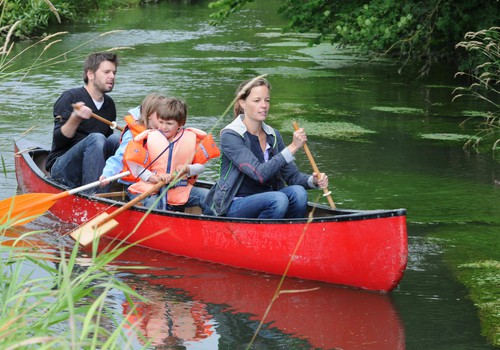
(475,260)
(449,137)
(285,110)
(286,113)
(482,279)
(333,130)
(475,114)
(398,110)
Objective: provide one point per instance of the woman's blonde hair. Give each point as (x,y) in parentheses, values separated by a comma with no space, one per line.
(245,89)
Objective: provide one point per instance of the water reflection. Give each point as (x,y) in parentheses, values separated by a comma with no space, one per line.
(169,319)
(197,302)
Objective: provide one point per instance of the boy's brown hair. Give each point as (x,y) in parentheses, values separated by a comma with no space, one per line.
(173,108)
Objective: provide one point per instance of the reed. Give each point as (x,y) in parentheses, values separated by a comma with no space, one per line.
(484,50)
(56,300)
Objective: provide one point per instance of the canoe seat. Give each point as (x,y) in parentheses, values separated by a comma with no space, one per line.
(193,210)
(118,195)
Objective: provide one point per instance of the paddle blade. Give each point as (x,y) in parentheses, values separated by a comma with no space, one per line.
(21,209)
(86,233)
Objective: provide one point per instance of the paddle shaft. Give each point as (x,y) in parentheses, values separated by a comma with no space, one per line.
(315,169)
(97,183)
(61,195)
(130,204)
(104,120)
(86,187)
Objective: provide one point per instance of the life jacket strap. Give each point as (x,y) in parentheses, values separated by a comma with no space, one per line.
(180,183)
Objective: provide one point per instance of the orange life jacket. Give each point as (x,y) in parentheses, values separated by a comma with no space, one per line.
(135,128)
(163,157)
(206,150)
(133,125)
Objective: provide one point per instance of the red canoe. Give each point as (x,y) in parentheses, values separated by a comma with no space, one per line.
(366,249)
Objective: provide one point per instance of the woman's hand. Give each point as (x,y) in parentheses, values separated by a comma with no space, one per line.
(299,139)
(321,181)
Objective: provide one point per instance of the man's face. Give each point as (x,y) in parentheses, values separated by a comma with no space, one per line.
(103,79)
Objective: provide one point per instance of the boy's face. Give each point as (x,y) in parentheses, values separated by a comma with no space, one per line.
(169,127)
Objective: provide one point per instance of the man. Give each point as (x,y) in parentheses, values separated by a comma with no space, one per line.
(81,144)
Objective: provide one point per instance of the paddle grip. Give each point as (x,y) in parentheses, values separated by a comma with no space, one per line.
(315,169)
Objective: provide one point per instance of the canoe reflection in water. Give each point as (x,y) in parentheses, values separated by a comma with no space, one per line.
(171,322)
(202,305)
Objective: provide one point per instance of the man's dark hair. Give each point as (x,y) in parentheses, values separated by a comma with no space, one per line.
(93,61)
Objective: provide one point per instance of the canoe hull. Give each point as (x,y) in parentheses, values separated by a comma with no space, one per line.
(363,249)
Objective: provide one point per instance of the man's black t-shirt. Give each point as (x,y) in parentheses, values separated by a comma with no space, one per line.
(62,111)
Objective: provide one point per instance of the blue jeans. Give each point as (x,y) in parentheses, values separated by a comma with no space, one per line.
(289,202)
(196,198)
(83,163)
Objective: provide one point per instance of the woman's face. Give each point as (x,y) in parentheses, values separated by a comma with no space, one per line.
(256,105)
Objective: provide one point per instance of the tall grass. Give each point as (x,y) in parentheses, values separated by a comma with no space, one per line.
(484,49)
(51,300)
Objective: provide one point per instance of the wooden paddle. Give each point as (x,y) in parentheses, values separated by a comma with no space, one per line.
(105,222)
(27,207)
(327,193)
(112,125)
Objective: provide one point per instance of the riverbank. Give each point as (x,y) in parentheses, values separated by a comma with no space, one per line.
(475,261)
(23,20)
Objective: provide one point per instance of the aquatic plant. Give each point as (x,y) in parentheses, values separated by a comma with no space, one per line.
(447,137)
(398,110)
(285,113)
(482,279)
(334,130)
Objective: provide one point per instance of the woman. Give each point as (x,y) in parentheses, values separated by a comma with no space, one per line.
(256,165)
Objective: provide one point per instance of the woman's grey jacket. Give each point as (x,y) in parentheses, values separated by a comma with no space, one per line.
(237,160)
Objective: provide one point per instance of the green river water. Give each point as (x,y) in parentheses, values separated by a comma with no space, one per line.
(374,132)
